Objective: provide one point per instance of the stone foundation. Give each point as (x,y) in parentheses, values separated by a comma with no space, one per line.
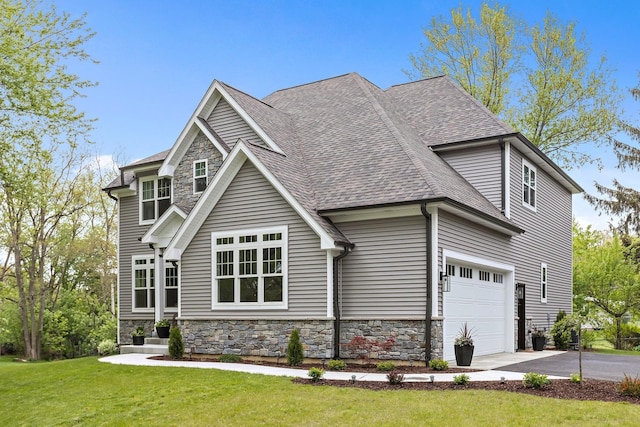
(128,326)
(265,338)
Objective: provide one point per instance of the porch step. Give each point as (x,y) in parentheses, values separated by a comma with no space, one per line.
(157,341)
(145,349)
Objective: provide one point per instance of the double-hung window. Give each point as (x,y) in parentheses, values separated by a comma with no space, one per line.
(250,268)
(529,178)
(143,282)
(155,198)
(171,287)
(543,282)
(199,176)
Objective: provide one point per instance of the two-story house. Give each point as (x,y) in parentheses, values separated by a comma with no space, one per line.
(344,210)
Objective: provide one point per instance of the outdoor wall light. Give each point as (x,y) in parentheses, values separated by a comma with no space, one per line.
(501,380)
(446,283)
(353,379)
(432,378)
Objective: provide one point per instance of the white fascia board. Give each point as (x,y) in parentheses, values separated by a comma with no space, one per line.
(185,138)
(163,230)
(326,241)
(254,126)
(212,138)
(374,213)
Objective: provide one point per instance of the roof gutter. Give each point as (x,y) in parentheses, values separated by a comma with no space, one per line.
(428,312)
(336,300)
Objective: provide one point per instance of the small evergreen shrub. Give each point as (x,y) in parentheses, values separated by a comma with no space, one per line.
(575,378)
(336,365)
(438,364)
(107,347)
(561,332)
(535,380)
(386,366)
(176,346)
(315,374)
(629,386)
(395,378)
(461,379)
(295,354)
(230,358)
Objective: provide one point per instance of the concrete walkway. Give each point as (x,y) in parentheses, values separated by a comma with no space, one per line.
(488,364)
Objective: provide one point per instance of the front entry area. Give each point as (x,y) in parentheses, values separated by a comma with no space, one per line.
(482,295)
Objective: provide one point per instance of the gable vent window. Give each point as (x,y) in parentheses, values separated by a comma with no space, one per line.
(485,276)
(155,198)
(250,269)
(199,176)
(466,273)
(529,183)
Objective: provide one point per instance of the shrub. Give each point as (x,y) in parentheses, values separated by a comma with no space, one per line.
(629,386)
(395,378)
(162,323)
(337,365)
(561,315)
(230,358)
(461,379)
(575,378)
(636,348)
(176,346)
(295,354)
(535,380)
(138,332)
(107,347)
(629,335)
(438,364)
(315,374)
(386,366)
(561,332)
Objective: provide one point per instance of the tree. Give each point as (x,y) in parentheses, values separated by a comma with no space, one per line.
(40,132)
(618,199)
(538,78)
(605,274)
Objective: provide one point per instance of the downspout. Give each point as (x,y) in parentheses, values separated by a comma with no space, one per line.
(111,196)
(503,202)
(336,302)
(428,311)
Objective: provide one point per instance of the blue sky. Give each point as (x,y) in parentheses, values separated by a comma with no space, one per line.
(157,58)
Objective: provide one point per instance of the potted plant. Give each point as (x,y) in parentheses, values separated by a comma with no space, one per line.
(464,346)
(162,328)
(538,339)
(138,336)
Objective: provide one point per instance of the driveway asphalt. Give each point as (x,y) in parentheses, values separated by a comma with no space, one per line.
(610,367)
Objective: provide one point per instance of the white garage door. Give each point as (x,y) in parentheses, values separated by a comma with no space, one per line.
(479,297)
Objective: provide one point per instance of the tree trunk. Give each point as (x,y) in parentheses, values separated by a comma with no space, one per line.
(618,338)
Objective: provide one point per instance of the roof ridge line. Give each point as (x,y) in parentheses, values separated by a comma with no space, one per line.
(428,177)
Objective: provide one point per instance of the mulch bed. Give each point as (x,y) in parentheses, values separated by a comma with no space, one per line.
(606,391)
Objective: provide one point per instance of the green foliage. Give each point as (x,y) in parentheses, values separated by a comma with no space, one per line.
(386,366)
(395,378)
(438,364)
(461,379)
(561,315)
(138,332)
(230,358)
(561,332)
(315,374)
(575,378)
(535,380)
(107,347)
(162,323)
(336,365)
(176,346)
(465,336)
(628,334)
(295,353)
(630,386)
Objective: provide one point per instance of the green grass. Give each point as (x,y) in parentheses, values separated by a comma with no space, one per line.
(88,392)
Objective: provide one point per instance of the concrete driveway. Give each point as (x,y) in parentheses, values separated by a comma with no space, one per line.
(598,366)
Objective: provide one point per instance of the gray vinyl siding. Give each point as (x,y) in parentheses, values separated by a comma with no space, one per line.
(481,166)
(385,274)
(547,240)
(251,202)
(230,126)
(129,245)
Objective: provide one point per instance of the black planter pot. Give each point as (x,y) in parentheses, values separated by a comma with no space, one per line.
(464,354)
(138,340)
(163,331)
(538,343)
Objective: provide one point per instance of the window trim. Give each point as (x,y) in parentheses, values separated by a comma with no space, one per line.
(147,267)
(177,288)
(154,179)
(544,282)
(206,174)
(236,247)
(533,206)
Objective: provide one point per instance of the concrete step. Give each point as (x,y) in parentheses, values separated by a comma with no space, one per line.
(145,349)
(157,341)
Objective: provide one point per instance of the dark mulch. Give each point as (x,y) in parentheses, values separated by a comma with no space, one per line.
(606,391)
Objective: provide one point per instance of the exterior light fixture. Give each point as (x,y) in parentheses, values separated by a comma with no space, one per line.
(432,378)
(353,379)
(446,283)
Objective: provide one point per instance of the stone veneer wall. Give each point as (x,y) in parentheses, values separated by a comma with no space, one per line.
(268,338)
(437,338)
(127,327)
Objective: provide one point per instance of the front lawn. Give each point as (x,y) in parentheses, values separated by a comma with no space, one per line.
(88,392)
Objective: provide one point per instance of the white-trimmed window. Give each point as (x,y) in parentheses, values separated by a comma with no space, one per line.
(155,198)
(171,287)
(143,282)
(529,182)
(543,282)
(200,169)
(250,268)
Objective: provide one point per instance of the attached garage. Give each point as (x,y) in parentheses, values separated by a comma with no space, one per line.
(482,295)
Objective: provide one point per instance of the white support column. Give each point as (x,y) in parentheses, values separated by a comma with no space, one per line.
(433,253)
(158,275)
